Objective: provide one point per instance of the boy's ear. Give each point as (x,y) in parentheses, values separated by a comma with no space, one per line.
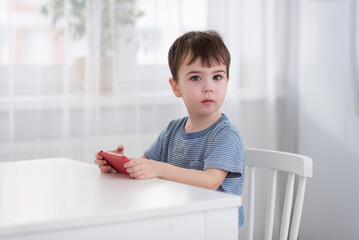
(174,86)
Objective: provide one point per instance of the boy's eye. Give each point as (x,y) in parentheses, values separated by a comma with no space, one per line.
(195,78)
(217,77)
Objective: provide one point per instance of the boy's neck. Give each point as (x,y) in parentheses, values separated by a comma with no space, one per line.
(199,123)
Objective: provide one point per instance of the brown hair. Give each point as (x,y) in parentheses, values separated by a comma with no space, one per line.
(208,46)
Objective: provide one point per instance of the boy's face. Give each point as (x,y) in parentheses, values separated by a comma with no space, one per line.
(202,89)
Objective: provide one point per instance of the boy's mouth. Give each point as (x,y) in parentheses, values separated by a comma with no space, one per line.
(207,101)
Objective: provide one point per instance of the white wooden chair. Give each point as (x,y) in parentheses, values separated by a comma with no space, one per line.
(292,164)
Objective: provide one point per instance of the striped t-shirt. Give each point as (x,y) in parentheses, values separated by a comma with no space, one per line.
(218,146)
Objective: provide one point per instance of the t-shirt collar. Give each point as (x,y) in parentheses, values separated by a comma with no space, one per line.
(200,133)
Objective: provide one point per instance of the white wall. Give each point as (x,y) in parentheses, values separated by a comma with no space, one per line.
(329,120)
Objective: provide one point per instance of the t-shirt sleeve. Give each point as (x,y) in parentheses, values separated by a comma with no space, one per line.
(226,152)
(154,152)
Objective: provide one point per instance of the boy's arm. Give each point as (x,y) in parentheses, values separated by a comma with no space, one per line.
(210,178)
(143,168)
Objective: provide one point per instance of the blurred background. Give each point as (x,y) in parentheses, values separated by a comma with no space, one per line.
(78,76)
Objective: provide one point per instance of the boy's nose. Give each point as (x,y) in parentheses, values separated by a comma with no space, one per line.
(208,86)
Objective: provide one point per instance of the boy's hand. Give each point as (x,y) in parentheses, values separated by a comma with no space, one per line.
(142,168)
(103,165)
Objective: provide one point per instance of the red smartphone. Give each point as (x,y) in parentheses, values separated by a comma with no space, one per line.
(115,160)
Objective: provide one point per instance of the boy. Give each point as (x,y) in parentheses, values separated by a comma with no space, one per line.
(203,149)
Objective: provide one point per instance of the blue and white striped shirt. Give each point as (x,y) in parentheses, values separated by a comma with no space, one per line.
(218,146)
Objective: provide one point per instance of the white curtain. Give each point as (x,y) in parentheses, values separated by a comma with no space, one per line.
(79,76)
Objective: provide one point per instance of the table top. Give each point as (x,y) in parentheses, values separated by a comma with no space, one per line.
(57,193)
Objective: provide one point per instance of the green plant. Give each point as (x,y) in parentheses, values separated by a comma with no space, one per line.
(114,15)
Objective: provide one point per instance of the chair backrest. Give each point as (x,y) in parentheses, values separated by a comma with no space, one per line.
(292,164)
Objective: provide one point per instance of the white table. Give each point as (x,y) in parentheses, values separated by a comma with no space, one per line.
(61,198)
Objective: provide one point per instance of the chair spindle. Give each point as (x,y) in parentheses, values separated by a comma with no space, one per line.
(251,194)
(287,207)
(271,206)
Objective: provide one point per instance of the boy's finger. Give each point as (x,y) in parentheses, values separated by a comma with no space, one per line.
(131,163)
(97,155)
(141,177)
(136,174)
(120,148)
(105,169)
(133,169)
(100,162)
